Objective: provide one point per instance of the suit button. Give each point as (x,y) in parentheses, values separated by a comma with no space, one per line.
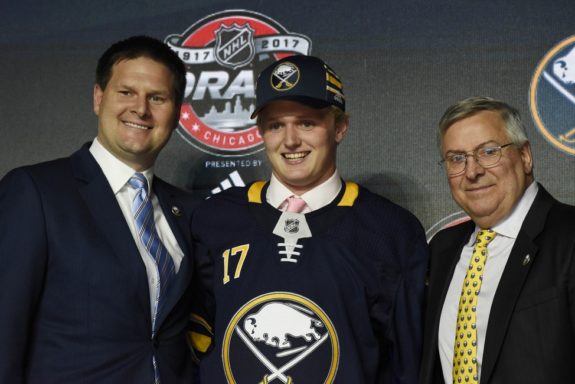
(156,342)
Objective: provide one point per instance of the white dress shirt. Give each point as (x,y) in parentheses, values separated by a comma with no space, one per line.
(498,252)
(117,173)
(316,198)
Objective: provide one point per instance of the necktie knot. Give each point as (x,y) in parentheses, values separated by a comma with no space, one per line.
(484,237)
(138,181)
(295,204)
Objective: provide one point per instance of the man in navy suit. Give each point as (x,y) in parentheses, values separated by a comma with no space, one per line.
(79,291)
(503,312)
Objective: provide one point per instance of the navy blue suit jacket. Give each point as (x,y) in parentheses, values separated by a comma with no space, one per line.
(74,298)
(531,327)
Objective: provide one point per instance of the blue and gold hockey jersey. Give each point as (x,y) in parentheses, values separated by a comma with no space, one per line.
(332,296)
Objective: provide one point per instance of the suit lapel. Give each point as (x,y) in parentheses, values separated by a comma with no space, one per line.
(177,218)
(511,284)
(108,218)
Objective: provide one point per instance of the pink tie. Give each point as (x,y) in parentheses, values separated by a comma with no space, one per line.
(295,204)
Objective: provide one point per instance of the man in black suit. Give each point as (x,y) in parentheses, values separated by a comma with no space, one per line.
(501,311)
(88,293)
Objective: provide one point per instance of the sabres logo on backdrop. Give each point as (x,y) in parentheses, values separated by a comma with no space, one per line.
(552,96)
(223,53)
(280,337)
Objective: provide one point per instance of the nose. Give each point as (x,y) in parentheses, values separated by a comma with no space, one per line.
(291,138)
(473,168)
(141,107)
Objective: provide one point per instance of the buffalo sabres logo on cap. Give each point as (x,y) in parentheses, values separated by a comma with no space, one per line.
(285,76)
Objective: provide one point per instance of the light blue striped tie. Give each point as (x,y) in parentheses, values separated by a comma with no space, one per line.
(144,218)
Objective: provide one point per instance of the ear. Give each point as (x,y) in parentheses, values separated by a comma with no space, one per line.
(526,158)
(341,130)
(98,94)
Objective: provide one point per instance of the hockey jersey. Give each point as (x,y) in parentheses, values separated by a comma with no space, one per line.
(332,296)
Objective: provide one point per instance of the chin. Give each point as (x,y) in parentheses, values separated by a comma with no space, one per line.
(481,212)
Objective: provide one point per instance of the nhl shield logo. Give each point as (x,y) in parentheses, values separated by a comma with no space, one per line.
(224,52)
(234,45)
(280,337)
(291,226)
(552,96)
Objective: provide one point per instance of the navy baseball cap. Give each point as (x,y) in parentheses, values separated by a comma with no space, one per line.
(305,79)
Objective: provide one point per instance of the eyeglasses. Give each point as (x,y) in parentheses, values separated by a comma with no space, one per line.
(486,157)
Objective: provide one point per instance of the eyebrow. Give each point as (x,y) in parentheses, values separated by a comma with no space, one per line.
(153,91)
(474,149)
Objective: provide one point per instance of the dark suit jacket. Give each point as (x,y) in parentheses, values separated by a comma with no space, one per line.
(531,328)
(74,299)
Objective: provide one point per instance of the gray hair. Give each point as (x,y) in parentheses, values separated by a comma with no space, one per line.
(468,107)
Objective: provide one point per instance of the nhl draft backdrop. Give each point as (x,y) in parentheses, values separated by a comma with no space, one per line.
(402,63)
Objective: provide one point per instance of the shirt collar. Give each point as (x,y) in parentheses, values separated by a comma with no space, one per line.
(510,226)
(116,172)
(316,198)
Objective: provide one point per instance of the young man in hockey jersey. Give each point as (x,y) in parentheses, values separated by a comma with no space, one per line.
(306,278)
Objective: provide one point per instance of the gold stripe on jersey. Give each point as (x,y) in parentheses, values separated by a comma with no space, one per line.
(350,195)
(199,341)
(255,192)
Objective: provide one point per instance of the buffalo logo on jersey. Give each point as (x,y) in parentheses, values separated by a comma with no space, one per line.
(223,53)
(280,337)
(552,96)
(285,76)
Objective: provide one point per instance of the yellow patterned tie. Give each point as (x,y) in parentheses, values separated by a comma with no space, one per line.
(465,347)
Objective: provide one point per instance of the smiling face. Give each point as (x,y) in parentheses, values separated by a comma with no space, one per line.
(301,143)
(488,195)
(136,111)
